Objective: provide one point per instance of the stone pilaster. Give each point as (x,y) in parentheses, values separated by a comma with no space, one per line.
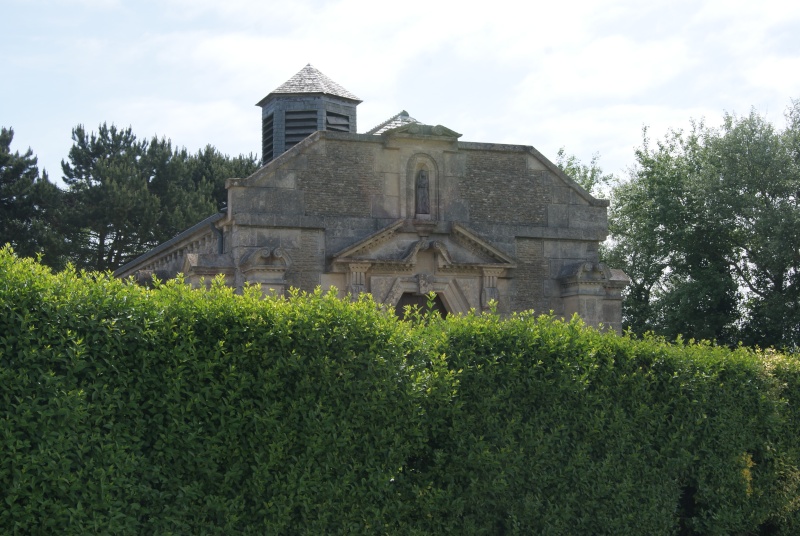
(357,278)
(489,292)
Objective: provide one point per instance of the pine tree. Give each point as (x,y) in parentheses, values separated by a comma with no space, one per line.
(29,205)
(128,195)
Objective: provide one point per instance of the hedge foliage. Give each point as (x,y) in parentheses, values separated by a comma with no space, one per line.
(126,410)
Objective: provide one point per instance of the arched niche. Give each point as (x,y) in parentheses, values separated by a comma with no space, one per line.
(422,170)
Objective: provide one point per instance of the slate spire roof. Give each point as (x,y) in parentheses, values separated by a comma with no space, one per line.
(311,80)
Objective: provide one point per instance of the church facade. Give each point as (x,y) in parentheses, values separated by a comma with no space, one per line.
(400,211)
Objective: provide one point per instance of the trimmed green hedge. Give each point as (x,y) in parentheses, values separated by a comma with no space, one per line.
(125,410)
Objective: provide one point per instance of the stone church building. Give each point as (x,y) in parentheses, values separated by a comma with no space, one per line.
(399,211)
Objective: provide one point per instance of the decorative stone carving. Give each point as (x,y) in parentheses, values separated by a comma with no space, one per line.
(266,267)
(420,257)
(442,254)
(489,292)
(447,288)
(274,262)
(422,187)
(425,283)
(357,278)
(423,203)
(593,291)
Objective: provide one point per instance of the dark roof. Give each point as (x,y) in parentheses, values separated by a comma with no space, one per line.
(311,80)
(393,122)
(206,223)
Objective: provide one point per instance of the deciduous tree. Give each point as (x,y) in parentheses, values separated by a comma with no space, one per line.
(708,229)
(590,176)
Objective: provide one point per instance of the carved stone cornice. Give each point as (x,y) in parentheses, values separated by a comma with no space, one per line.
(590,278)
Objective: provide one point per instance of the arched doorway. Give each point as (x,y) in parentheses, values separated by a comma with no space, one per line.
(421,302)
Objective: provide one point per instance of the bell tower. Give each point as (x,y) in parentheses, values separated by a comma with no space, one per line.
(307,102)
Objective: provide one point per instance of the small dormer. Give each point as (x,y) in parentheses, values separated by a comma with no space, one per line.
(307,102)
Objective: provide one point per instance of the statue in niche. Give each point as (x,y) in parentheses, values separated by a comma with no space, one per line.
(423,200)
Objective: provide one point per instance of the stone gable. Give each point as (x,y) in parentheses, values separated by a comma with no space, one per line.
(405,212)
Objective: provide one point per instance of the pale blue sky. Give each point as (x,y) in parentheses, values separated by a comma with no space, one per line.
(586,75)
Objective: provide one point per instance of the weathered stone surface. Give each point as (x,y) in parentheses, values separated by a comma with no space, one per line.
(558,215)
(495,223)
(269,200)
(343,181)
(499,188)
(528,279)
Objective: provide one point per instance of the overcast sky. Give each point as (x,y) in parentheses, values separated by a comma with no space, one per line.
(585,75)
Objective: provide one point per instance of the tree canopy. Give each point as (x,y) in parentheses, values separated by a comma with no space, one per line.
(124,196)
(29,204)
(707,225)
(589,176)
(708,229)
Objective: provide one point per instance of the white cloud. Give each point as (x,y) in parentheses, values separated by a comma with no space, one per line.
(612,67)
(224,124)
(747,14)
(781,75)
(584,74)
(92,4)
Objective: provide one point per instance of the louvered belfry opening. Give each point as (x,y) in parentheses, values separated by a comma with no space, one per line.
(307,102)
(337,122)
(299,125)
(267,137)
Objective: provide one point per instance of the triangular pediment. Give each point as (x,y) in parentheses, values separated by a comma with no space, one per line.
(400,244)
(418,129)
(396,121)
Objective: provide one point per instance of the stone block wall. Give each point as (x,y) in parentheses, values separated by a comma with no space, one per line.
(343,181)
(499,187)
(527,286)
(333,190)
